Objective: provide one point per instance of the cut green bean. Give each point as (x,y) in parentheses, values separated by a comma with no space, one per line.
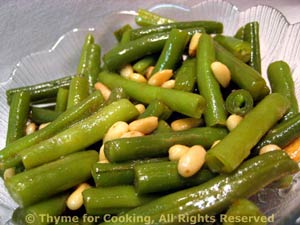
(185,79)
(215,113)
(40,183)
(251,35)
(239,102)
(9,155)
(147,18)
(209,26)
(61,100)
(81,135)
(79,90)
(119,33)
(239,48)
(172,51)
(157,145)
(164,177)
(142,65)
(184,102)
(126,36)
(162,127)
(116,94)
(112,200)
(243,75)
(240,33)
(41,91)
(18,116)
(281,81)
(229,153)
(41,212)
(156,108)
(81,68)
(43,115)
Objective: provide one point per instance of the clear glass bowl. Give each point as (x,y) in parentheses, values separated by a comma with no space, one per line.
(279,41)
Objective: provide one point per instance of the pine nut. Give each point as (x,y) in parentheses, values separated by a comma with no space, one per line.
(130,134)
(149,71)
(137,78)
(192,161)
(75,200)
(194,44)
(105,91)
(169,84)
(185,123)
(31,127)
(215,143)
(221,73)
(126,71)
(144,125)
(43,125)
(177,151)
(116,131)
(102,156)
(104,161)
(160,77)
(232,121)
(8,173)
(141,108)
(269,148)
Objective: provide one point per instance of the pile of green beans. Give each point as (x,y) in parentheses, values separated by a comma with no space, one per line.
(132,172)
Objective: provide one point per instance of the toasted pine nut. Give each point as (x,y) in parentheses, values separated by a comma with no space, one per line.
(194,44)
(137,78)
(130,134)
(30,128)
(144,125)
(192,161)
(149,71)
(160,77)
(221,73)
(177,151)
(169,84)
(126,71)
(75,200)
(269,148)
(116,131)
(232,121)
(9,172)
(185,123)
(105,91)
(215,143)
(43,125)
(102,156)
(141,108)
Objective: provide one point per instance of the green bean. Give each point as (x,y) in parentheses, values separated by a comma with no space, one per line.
(116,94)
(80,135)
(228,154)
(281,81)
(41,212)
(146,18)
(142,65)
(112,200)
(156,108)
(186,103)
(239,48)
(172,51)
(244,208)
(163,177)
(185,79)
(18,115)
(79,90)
(239,102)
(251,35)
(243,75)
(42,182)
(9,155)
(162,127)
(216,195)
(282,134)
(41,91)
(119,33)
(209,26)
(240,33)
(43,115)
(126,36)
(157,145)
(114,174)
(215,113)
(61,100)
(81,68)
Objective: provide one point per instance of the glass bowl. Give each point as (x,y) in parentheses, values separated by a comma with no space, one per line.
(279,40)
